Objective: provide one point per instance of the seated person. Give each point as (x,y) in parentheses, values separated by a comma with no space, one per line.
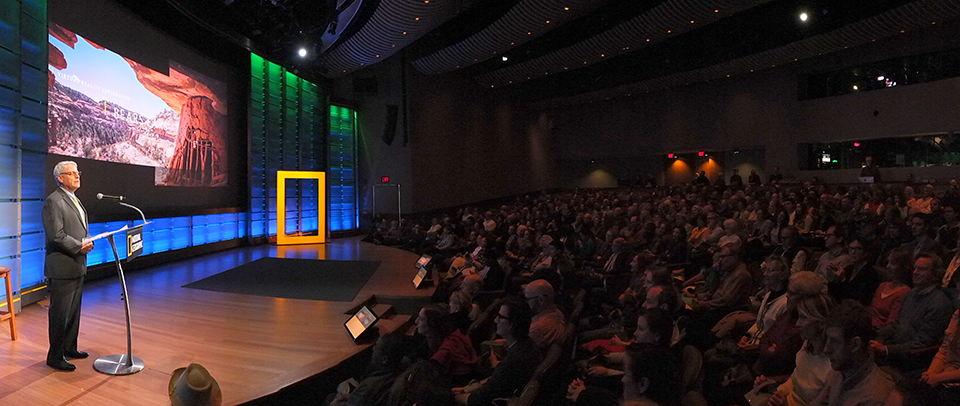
(549,323)
(730,295)
(923,317)
(523,356)
(652,377)
(856,380)
(888,298)
(655,328)
(776,274)
(450,349)
(385,366)
(944,372)
(858,280)
(812,366)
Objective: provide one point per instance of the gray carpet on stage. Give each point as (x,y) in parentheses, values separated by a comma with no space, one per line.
(292,278)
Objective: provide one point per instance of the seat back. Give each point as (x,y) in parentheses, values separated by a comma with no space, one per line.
(693,398)
(691,368)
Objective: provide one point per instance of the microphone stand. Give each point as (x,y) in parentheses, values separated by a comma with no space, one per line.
(121,364)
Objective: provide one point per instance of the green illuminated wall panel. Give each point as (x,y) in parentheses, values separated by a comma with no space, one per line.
(287,132)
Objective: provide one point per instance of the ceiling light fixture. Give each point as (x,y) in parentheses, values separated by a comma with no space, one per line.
(804,16)
(504,58)
(302,52)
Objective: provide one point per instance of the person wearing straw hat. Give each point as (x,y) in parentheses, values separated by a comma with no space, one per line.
(193,386)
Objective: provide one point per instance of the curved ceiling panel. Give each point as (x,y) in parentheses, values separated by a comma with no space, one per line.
(395,24)
(664,21)
(909,17)
(525,21)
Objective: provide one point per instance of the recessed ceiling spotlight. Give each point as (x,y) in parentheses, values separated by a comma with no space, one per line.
(804,16)
(855,87)
(566,9)
(302,52)
(504,58)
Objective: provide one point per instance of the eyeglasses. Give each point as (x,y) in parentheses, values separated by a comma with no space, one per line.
(76,173)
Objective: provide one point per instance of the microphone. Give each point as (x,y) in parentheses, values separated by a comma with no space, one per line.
(101,196)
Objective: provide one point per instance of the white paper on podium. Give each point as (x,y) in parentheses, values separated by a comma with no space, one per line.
(101,235)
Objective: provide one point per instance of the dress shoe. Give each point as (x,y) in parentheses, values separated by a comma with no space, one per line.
(61,365)
(76,354)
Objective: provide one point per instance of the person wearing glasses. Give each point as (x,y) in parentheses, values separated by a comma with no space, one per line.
(65,225)
(511,373)
(858,280)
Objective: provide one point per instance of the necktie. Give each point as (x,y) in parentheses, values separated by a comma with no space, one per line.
(79,208)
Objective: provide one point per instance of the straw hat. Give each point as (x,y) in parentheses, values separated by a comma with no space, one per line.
(193,386)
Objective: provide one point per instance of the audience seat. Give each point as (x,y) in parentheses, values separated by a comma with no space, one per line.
(693,398)
(691,368)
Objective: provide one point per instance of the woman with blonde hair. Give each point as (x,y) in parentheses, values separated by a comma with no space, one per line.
(813,367)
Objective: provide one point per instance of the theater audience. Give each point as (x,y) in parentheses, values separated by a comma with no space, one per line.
(617,248)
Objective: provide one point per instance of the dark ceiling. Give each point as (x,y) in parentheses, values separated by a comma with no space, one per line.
(544,51)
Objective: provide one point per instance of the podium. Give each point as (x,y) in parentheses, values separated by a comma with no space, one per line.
(122,364)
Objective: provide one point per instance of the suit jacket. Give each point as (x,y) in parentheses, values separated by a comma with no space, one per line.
(64,230)
(861,288)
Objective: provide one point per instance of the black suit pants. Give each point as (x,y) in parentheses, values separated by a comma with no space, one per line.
(64,316)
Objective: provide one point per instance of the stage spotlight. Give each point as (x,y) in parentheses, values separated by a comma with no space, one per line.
(803,17)
(504,58)
(855,87)
(302,52)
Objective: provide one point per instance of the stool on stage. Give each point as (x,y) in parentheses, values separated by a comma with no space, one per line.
(5,273)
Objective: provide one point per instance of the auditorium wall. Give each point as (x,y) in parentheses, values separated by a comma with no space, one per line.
(762,110)
(465,143)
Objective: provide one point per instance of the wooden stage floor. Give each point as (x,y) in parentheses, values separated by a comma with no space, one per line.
(252,345)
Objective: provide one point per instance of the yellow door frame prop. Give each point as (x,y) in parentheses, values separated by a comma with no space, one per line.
(282,237)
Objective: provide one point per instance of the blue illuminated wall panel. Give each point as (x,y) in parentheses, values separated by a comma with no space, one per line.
(23,102)
(170,233)
(287,132)
(342,176)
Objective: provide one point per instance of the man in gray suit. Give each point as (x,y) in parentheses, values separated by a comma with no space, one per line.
(65,225)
